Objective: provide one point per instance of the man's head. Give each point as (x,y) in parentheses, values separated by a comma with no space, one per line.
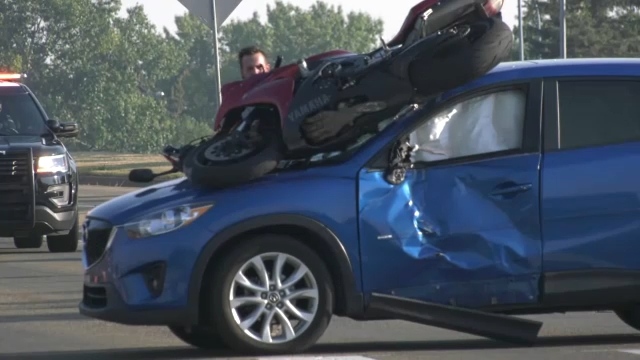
(252,61)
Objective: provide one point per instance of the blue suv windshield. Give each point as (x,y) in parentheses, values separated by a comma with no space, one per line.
(336,156)
(19,115)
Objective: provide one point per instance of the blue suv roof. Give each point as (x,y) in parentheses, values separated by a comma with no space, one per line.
(568,67)
(532,69)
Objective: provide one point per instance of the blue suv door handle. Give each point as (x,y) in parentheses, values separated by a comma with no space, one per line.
(510,189)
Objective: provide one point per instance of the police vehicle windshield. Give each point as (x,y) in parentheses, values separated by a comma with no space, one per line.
(19,115)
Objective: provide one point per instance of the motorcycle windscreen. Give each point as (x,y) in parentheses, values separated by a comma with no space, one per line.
(451,232)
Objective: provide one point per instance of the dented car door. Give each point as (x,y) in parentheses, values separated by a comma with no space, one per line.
(463,226)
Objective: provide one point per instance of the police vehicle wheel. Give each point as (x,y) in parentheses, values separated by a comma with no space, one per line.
(199,336)
(270,295)
(28,242)
(630,315)
(64,243)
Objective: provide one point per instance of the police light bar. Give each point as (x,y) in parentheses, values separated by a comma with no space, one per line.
(9,77)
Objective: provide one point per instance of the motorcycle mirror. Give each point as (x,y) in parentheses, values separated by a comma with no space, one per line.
(141,175)
(302,66)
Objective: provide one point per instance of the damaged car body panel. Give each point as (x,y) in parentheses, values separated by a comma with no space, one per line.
(461,243)
(463,226)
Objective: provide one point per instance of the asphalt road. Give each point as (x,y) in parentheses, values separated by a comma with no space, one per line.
(39,293)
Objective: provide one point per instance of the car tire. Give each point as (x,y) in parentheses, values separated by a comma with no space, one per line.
(630,316)
(64,243)
(464,59)
(198,336)
(313,302)
(28,242)
(203,172)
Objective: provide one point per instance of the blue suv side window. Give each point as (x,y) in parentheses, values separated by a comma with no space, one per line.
(481,125)
(598,112)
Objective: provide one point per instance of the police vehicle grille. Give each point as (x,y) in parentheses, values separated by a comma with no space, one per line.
(16,185)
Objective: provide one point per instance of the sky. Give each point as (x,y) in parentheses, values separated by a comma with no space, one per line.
(393,16)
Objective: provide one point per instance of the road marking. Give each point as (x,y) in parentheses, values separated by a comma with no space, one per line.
(315,358)
(631,351)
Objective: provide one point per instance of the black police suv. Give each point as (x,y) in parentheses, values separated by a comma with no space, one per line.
(38,177)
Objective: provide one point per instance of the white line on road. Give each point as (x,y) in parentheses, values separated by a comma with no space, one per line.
(315,358)
(631,351)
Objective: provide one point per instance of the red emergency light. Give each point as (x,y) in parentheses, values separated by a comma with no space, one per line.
(9,77)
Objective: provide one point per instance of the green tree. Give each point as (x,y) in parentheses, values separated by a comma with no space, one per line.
(193,89)
(595,28)
(87,64)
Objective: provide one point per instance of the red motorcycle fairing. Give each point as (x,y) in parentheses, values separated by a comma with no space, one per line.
(443,13)
(274,88)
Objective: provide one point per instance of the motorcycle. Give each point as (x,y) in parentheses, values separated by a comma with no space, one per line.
(324,102)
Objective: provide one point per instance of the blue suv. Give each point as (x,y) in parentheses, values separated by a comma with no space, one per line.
(515,194)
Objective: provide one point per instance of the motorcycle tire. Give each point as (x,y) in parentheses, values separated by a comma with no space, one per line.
(464,59)
(207,173)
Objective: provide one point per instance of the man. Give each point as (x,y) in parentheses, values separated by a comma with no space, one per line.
(7,125)
(252,61)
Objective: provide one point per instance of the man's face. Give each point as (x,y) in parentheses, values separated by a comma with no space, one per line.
(254,64)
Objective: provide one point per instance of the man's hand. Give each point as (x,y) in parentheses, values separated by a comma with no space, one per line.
(253,135)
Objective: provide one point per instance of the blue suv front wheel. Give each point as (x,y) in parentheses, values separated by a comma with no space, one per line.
(270,294)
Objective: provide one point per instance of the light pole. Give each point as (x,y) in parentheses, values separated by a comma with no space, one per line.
(521,30)
(216,54)
(563,30)
(210,15)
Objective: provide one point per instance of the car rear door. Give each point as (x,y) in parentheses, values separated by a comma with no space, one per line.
(591,185)
(464,225)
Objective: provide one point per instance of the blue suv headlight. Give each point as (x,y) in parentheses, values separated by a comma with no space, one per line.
(165,221)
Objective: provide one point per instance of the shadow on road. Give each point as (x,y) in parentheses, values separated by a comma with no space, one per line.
(7,251)
(327,349)
(73,259)
(42,317)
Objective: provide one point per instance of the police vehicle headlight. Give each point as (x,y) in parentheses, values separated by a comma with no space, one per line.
(52,164)
(165,221)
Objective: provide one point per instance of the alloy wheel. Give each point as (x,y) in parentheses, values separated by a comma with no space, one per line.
(274,298)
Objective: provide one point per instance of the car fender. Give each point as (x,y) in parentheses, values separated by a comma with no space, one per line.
(353,301)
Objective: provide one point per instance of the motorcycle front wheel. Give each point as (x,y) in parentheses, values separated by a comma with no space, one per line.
(481,46)
(231,159)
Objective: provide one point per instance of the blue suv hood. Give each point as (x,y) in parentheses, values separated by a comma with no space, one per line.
(125,208)
(122,208)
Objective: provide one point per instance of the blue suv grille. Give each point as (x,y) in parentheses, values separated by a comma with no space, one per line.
(95,236)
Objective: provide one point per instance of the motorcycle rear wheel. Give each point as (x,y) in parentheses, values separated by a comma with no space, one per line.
(485,45)
(228,159)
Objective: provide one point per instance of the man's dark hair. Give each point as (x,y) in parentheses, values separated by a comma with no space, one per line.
(248,51)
